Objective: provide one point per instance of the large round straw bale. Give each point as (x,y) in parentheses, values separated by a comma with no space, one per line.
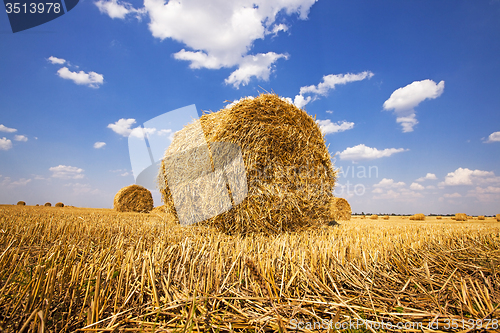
(341,210)
(260,165)
(59,204)
(481,218)
(21,203)
(133,198)
(461,217)
(48,204)
(498,217)
(419,217)
(374,217)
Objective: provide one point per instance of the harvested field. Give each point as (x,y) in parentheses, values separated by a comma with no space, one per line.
(102,270)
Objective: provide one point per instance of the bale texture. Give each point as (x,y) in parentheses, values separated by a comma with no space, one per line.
(419,217)
(133,198)
(481,218)
(59,204)
(374,217)
(461,217)
(498,217)
(21,203)
(341,210)
(48,204)
(287,166)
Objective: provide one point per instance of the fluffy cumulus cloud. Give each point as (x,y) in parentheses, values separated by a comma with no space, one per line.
(216,33)
(90,79)
(118,9)
(5,144)
(6,129)
(66,172)
(388,183)
(403,101)
(493,137)
(309,93)
(452,195)
(22,138)
(99,144)
(465,176)
(416,187)
(362,152)
(327,127)
(7,182)
(56,61)
(428,176)
(124,128)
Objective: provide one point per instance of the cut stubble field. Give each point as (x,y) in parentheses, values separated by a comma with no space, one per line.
(98,270)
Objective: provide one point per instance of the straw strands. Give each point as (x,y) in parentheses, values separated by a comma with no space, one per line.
(263,157)
(341,209)
(133,198)
(97,270)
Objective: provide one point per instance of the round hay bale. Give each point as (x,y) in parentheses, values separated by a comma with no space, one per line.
(59,204)
(341,210)
(133,198)
(461,217)
(498,217)
(48,204)
(37,205)
(385,217)
(374,217)
(21,203)
(481,218)
(260,165)
(439,217)
(419,217)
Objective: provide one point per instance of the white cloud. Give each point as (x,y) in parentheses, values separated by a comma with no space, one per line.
(5,144)
(388,183)
(7,182)
(99,144)
(56,61)
(91,79)
(117,9)
(362,152)
(428,176)
(493,137)
(79,189)
(452,195)
(416,187)
(20,138)
(329,111)
(405,99)
(66,172)
(465,176)
(327,127)
(258,66)
(7,129)
(218,34)
(122,126)
(329,82)
(401,194)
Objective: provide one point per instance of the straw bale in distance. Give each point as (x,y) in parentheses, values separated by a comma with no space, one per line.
(481,218)
(341,210)
(289,173)
(385,217)
(439,217)
(21,203)
(48,204)
(498,217)
(374,217)
(59,204)
(133,198)
(460,217)
(419,217)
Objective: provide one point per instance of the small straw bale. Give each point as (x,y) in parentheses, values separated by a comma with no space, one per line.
(481,218)
(21,203)
(439,217)
(341,210)
(498,217)
(461,217)
(412,217)
(419,217)
(48,204)
(385,217)
(258,165)
(59,204)
(374,217)
(133,198)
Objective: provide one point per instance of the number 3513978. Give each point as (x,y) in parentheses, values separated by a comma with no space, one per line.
(33,8)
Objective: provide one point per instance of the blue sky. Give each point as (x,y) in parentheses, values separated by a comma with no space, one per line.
(406,92)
